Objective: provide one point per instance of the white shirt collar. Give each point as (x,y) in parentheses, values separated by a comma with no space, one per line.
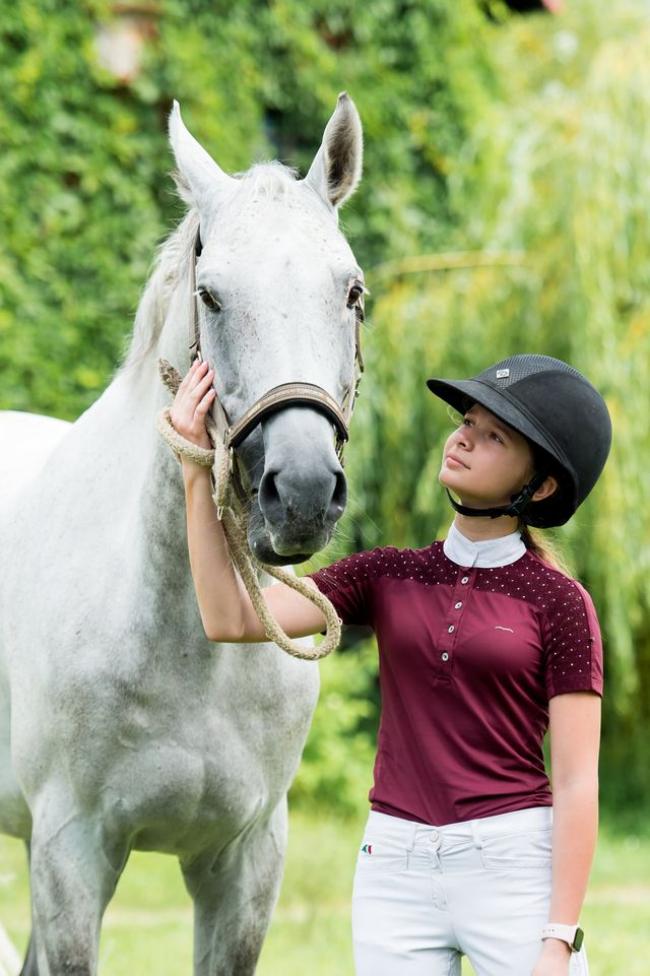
(486,554)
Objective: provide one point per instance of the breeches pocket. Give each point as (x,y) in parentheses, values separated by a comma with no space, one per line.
(382,852)
(518,851)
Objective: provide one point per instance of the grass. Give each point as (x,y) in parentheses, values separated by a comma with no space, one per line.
(148,926)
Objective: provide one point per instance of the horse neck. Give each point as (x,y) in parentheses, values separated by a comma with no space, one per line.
(162,326)
(155,484)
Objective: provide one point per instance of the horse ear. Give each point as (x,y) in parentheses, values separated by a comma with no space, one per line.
(336,169)
(198,176)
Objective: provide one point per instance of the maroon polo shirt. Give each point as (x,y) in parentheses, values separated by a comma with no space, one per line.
(468,660)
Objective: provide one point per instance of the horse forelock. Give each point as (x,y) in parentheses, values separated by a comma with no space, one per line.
(272,180)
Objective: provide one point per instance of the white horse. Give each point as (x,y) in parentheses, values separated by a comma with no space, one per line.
(121,726)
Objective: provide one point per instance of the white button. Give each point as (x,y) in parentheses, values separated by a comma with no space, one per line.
(465,579)
(451,629)
(444,656)
(458,605)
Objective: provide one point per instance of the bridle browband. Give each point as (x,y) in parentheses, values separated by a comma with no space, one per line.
(306,394)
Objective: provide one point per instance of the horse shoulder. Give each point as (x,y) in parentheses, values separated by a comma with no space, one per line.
(26,442)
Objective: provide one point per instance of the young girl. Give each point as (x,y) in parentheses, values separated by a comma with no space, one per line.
(484,644)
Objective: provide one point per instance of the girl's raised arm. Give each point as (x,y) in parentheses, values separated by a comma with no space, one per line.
(226,609)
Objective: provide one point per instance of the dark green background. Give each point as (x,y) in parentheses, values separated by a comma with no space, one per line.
(510,153)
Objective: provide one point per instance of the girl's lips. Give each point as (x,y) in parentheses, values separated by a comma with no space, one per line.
(454,460)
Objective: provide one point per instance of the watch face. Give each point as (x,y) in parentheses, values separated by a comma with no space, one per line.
(578,940)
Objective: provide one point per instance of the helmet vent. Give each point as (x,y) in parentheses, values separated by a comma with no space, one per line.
(517,368)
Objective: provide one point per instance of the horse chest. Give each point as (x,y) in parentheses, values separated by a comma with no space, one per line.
(178,753)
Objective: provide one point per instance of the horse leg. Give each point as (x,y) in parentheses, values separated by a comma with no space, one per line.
(234,894)
(30,965)
(74,870)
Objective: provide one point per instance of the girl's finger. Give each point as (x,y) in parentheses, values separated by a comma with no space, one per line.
(193,368)
(203,407)
(197,371)
(202,385)
(186,379)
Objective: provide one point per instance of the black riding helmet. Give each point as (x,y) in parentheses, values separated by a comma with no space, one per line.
(560,413)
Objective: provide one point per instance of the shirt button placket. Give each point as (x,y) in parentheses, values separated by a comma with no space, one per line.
(459,601)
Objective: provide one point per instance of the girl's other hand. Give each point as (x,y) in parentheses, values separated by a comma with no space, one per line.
(192,402)
(554,959)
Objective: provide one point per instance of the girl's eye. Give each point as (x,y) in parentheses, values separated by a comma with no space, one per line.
(209,300)
(497,438)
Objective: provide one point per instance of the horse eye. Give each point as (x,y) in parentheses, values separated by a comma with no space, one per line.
(209,300)
(355,293)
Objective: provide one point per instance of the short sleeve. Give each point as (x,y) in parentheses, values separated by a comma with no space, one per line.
(574,651)
(348,584)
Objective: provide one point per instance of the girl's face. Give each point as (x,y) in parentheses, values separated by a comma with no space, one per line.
(485,461)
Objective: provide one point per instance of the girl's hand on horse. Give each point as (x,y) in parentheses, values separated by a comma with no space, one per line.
(192,402)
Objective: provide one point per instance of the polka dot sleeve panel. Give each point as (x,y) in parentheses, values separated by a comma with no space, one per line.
(348,582)
(574,653)
(353,583)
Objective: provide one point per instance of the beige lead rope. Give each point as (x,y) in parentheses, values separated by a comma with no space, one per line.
(234,521)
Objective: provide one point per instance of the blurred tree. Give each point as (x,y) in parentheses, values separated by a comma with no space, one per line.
(84,190)
(553,184)
(502,209)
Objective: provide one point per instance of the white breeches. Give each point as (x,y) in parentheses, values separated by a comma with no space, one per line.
(424,896)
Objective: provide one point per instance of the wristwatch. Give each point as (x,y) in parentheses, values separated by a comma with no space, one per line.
(571,934)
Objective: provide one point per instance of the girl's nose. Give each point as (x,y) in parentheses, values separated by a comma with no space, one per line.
(463,439)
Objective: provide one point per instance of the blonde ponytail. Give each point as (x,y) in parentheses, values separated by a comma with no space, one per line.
(543,549)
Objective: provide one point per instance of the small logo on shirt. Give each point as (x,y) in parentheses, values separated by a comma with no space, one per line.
(366,848)
(509,629)
(503,374)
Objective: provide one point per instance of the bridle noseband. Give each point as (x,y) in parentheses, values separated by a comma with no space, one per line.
(285,394)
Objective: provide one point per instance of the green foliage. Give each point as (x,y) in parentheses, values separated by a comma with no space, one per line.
(79,221)
(552,186)
(84,186)
(336,768)
(510,158)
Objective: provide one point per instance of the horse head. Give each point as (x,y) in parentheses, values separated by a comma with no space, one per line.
(279,297)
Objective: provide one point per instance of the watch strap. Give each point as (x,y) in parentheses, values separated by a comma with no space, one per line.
(571,934)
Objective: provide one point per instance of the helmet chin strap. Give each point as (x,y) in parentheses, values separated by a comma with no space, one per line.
(518,503)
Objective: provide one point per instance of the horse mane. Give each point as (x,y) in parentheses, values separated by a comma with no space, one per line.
(270,181)
(171,264)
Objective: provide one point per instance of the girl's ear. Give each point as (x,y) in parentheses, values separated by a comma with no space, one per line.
(546,489)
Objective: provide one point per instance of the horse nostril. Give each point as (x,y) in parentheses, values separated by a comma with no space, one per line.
(269,496)
(316,497)
(339,496)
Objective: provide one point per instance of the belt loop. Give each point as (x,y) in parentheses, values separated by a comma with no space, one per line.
(476,834)
(413,834)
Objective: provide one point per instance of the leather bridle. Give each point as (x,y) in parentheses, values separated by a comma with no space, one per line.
(285,394)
